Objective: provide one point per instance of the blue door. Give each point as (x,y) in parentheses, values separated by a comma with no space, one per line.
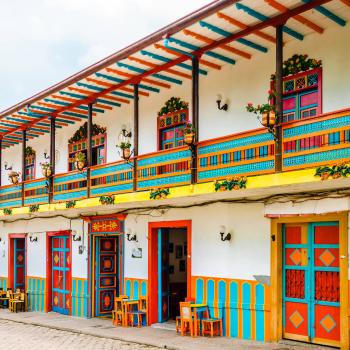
(106,274)
(19,263)
(163,276)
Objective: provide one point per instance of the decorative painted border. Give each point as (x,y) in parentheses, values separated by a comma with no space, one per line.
(3,282)
(172,179)
(164,158)
(244,305)
(79,297)
(36,293)
(135,287)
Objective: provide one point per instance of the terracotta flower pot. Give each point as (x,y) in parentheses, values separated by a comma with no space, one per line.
(189,138)
(79,165)
(14,179)
(126,153)
(46,172)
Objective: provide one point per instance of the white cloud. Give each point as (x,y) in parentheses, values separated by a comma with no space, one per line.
(44,41)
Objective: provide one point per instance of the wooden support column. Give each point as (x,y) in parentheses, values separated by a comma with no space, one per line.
(279,97)
(89,147)
(136,134)
(52,155)
(195,116)
(24,146)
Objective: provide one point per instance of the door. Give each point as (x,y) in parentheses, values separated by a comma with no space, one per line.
(19,261)
(61,274)
(172,137)
(163,283)
(311,298)
(106,274)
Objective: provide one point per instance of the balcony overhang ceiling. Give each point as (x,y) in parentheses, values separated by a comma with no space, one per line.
(224,32)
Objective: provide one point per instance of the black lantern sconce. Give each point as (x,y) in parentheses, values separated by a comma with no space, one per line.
(76,237)
(131,237)
(33,237)
(223,235)
(6,167)
(221,107)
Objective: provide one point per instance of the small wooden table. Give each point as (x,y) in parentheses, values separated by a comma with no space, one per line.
(126,303)
(198,308)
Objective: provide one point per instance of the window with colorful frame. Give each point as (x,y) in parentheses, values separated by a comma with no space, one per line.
(170,129)
(77,143)
(30,164)
(302,95)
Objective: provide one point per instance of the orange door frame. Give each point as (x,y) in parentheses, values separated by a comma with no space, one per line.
(153,262)
(11,257)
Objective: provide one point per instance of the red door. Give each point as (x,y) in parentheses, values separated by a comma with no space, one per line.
(311,298)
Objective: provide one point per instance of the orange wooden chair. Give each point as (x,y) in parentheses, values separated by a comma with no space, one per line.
(178,318)
(186,319)
(118,312)
(139,314)
(212,326)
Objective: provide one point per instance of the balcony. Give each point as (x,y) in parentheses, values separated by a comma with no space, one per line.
(306,143)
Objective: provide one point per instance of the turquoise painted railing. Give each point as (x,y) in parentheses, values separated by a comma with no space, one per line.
(315,141)
(111,178)
(70,186)
(248,153)
(11,196)
(164,168)
(36,192)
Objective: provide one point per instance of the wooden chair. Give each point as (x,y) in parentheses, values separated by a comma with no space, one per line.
(178,318)
(118,312)
(17,302)
(186,319)
(5,299)
(212,326)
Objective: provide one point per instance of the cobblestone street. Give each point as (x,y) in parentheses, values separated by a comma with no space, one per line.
(18,336)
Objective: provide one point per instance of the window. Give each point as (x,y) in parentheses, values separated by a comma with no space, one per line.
(302,95)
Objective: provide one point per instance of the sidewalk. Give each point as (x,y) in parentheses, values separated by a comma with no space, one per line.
(146,335)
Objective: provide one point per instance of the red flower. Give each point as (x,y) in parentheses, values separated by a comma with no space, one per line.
(250,104)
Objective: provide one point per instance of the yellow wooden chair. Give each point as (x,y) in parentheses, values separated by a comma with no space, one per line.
(5,299)
(187,319)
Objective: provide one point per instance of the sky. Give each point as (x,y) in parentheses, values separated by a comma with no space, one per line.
(44,41)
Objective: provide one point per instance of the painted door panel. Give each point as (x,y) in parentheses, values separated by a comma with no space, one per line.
(106,274)
(61,274)
(19,263)
(311,283)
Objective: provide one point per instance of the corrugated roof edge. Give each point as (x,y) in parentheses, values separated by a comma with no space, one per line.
(170,29)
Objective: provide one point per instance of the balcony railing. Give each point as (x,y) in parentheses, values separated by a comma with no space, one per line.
(306,143)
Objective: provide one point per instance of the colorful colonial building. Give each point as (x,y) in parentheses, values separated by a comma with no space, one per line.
(145,174)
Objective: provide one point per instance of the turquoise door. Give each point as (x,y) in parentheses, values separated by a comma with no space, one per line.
(19,263)
(311,294)
(163,275)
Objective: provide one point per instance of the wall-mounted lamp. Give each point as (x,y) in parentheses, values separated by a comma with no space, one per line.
(7,167)
(33,237)
(46,156)
(223,232)
(223,107)
(76,237)
(131,237)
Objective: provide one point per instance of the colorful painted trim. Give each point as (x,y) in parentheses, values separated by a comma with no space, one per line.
(243,305)
(135,287)
(36,293)
(79,297)
(3,283)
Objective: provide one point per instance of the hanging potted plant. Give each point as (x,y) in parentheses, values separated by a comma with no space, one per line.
(189,134)
(126,149)
(46,169)
(267,112)
(80,160)
(13,176)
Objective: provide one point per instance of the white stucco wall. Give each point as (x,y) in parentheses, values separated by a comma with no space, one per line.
(36,251)
(246,81)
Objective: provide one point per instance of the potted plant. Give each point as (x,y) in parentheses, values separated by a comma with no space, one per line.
(46,169)
(174,104)
(267,112)
(13,176)
(189,134)
(126,149)
(80,160)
